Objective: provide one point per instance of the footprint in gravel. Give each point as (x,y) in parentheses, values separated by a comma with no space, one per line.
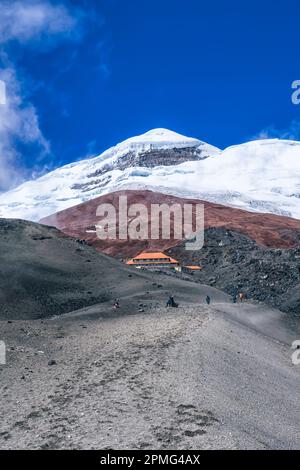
(33,414)
(191,413)
(197,432)
(52,443)
(192,422)
(167,436)
(5,435)
(22,425)
(144,445)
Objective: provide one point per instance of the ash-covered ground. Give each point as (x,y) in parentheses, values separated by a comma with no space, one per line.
(195,377)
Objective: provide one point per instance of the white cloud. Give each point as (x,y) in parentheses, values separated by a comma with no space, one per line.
(36,19)
(18,125)
(292,132)
(34,23)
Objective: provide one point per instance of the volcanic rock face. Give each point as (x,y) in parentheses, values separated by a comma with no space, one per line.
(152,158)
(80,221)
(146,159)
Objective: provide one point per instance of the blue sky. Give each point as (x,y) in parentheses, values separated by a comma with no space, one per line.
(84,75)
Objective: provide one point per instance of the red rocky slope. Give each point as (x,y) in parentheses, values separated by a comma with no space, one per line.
(266,229)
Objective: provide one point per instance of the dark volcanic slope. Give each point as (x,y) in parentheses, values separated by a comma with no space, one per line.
(266,229)
(232,261)
(44,272)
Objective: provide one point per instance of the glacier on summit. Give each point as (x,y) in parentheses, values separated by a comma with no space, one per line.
(261,176)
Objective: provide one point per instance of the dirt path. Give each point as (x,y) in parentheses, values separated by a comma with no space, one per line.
(182,378)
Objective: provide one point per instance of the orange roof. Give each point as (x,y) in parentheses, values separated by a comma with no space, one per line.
(152,258)
(155,255)
(193,267)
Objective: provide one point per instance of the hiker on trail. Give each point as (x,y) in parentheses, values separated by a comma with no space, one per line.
(171,302)
(241,296)
(234,295)
(116,303)
(208,299)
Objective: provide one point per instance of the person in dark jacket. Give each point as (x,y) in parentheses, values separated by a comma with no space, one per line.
(235,295)
(208,299)
(171,302)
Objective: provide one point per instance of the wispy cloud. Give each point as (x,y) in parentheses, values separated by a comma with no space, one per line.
(19,125)
(292,132)
(40,24)
(35,20)
(103,50)
(104,70)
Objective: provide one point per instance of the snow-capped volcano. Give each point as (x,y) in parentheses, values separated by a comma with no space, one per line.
(89,178)
(155,138)
(262,176)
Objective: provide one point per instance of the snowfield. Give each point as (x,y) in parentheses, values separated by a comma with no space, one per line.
(261,176)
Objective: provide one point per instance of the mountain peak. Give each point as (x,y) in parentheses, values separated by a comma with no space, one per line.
(161,137)
(161,134)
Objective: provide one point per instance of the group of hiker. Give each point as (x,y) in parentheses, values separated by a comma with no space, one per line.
(236,296)
(171,302)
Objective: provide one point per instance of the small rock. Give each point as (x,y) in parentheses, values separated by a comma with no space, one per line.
(52,362)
